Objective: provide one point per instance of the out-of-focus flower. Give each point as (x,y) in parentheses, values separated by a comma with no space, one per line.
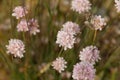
(117,5)
(90,54)
(16,47)
(65,40)
(19,12)
(81,6)
(66,75)
(59,64)
(22,26)
(97,22)
(71,28)
(83,71)
(33,26)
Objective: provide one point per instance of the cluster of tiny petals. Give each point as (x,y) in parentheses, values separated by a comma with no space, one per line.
(117,5)
(65,40)
(71,28)
(59,64)
(33,26)
(19,12)
(90,54)
(22,26)
(97,22)
(16,48)
(83,71)
(81,6)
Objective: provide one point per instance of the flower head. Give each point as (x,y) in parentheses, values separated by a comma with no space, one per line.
(59,64)
(71,28)
(83,71)
(81,6)
(97,22)
(65,40)
(90,54)
(33,26)
(22,26)
(117,5)
(19,12)
(16,47)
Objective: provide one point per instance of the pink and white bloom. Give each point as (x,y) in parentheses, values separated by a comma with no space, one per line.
(19,12)
(22,26)
(83,71)
(90,54)
(65,40)
(33,26)
(16,47)
(81,6)
(59,64)
(117,5)
(98,22)
(71,28)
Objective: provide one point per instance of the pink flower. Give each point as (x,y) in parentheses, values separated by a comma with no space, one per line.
(90,54)
(98,22)
(117,5)
(22,26)
(81,6)
(65,40)
(33,27)
(59,64)
(71,28)
(19,12)
(16,47)
(83,71)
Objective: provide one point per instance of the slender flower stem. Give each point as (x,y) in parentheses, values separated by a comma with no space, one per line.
(95,34)
(60,52)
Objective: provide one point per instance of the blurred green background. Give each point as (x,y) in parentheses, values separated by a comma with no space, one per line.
(42,49)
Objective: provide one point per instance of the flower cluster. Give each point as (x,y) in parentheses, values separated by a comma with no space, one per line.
(33,26)
(65,36)
(59,64)
(24,25)
(117,5)
(97,22)
(19,12)
(90,54)
(16,47)
(83,71)
(81,6)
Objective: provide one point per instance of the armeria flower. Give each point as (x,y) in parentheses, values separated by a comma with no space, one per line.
(19,12)
(90,54)
(22,26)
(83,71)
(71,28)
(33,26)
(117,5)
(81,6)
(59,64)
(98,22)
(16,47)
(65,40)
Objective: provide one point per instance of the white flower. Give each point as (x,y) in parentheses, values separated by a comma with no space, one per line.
(19,12)
(117,5)
(83,71)
(81,6)
(65,40)
(16,48)
(98,22)
(71,28)
(33,26)
(90,54)
(22,26)
(59,64)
